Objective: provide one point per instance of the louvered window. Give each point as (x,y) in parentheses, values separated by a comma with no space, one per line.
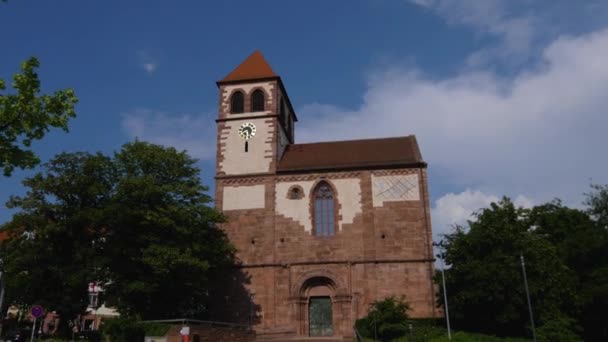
(237,103)
(257,101)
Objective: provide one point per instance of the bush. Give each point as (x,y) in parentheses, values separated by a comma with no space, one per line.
(90,336)
(155,329)
(123,329)
(559,328)
(387,318)
(127,329)
(468,337)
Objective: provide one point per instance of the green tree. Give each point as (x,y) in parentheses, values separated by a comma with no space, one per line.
(28,115)
(50,256)
(595,279)
(597,204)
(387,319)
(580,244)
(164,245)
(581,239)
(137,222)
(485,284)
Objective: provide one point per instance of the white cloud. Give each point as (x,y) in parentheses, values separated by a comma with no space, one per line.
(425,3)
(147,61)
(456,209)
(513,31)
(540,132)
(516,32)
(149,67)
(182,131)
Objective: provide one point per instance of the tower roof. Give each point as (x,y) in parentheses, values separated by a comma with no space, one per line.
(253,67)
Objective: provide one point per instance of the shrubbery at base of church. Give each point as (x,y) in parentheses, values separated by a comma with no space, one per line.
(470,337)
(430,333)
(386,319)
(127,329)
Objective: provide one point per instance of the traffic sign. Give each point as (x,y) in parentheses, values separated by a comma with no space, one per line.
(37,311)
(185,331)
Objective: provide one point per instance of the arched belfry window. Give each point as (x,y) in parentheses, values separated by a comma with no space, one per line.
(324,210)
(237,103)
(282,110)
(257,101)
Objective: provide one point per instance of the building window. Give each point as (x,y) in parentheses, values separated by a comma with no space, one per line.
(94,300)
(257,101)
(281,110)
(324,210)
(295,192)
(89,324)
(237,103)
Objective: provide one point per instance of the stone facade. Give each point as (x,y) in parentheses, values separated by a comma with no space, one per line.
(381,245)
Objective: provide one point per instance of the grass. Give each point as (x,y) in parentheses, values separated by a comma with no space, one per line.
(440,335)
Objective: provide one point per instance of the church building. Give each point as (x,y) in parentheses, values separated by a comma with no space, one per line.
(321,229)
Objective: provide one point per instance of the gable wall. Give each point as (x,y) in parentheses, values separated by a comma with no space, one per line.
(381,247)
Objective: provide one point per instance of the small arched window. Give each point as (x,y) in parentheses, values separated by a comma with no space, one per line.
(295,192)
(257,101)
(324,210)
(237,103)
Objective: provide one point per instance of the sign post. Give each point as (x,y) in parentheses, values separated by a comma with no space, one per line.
(33,329)
(37,312)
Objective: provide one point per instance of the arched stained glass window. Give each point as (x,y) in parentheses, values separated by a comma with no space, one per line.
(257,101)
(324,210)
(237,103)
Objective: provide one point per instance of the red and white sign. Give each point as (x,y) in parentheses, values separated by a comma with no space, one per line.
(94,287)
(185,331)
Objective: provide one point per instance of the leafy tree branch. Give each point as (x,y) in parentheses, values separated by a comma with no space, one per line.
(27,116)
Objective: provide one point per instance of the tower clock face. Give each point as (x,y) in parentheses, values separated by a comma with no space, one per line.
(247,130)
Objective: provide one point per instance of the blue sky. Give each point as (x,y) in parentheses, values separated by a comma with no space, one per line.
(505,97)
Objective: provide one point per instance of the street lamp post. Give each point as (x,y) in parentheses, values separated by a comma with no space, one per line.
(375,332)
(523,269)
(445,299)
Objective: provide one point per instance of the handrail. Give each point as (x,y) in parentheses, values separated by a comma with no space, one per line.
(196,321)
(357,335)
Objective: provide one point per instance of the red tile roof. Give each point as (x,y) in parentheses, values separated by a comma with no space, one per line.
(352,154)
(254,67)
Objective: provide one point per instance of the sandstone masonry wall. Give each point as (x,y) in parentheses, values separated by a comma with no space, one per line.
(380,250)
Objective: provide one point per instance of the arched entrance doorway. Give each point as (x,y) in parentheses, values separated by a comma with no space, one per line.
(318,293)
(321,305)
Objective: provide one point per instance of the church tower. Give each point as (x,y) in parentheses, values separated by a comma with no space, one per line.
(255,121)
